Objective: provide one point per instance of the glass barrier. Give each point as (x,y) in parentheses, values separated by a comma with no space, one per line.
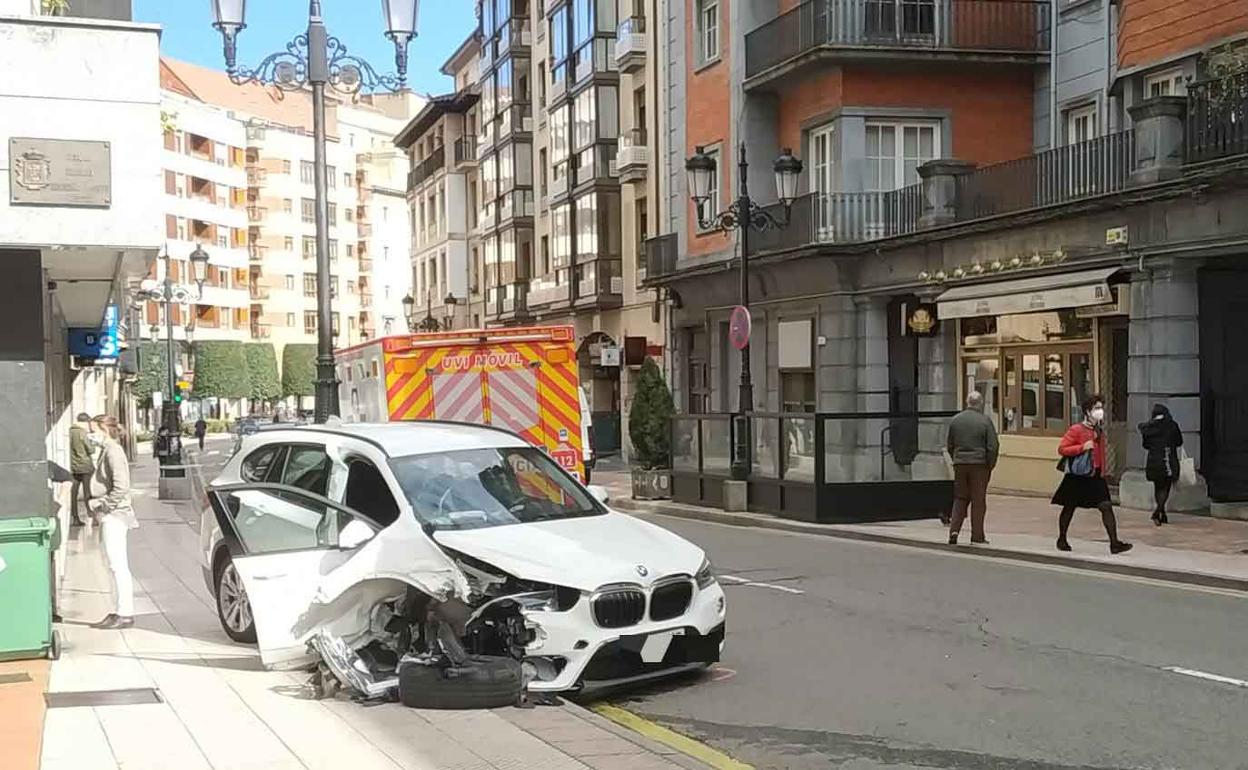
(685,444)
(799,447)
(717,444)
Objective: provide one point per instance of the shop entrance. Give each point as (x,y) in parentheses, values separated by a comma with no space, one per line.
(601,380)
(1224,383)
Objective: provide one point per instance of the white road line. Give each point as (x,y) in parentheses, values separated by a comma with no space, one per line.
(736,580)
(1207,675)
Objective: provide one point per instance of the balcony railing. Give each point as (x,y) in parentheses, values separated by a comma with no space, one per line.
(630,44)
(517,203)
(970,26)
(866,216)
(1217,118)
(660,255)
(599,278)
(632,154)
(465,149)
(427,168)
(1063,174)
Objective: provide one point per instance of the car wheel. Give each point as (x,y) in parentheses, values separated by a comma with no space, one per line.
(233,609)
(482,683)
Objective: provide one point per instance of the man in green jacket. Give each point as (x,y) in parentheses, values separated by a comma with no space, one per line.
(973,448)
(81,466)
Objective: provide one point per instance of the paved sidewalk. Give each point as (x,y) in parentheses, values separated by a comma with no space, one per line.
(1191,549)
(217,708)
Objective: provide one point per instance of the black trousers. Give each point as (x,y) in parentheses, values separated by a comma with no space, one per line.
(82,480)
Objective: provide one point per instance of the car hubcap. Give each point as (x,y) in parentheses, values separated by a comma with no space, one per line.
(234,605)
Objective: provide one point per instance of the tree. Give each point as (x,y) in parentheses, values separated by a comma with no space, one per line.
(266,386)
(220,370)
(650,418)
(299,370)
(153,373)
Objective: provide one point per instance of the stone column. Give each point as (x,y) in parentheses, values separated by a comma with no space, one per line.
(1158,138)
(23,388)
(1163,366)
(940,189)
(938,392)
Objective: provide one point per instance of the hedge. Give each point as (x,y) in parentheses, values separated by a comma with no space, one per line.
(221,370)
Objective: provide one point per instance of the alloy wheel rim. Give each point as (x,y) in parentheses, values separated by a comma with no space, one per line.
(234,605)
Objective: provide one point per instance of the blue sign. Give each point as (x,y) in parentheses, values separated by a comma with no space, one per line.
(98,345)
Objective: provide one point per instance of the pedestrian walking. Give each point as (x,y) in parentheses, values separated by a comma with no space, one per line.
(1162,439)
(973,449)
(81,466)
(113,506)
(201,428)
(1083,483)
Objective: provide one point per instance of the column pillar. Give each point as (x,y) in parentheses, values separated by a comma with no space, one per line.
(23,388)
(1158,139)
(940,189)
(1163,366)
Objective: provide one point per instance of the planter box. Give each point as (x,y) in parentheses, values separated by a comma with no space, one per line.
(652,484)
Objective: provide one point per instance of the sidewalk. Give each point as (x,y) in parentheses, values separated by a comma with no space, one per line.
(1190,549)
(198,701)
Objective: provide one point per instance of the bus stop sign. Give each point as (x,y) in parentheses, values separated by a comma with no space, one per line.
(739,327)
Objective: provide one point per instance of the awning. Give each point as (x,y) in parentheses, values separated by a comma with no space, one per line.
(1028,295)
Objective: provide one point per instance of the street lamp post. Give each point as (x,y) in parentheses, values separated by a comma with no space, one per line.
(315,59)
(743,215)
(167,295)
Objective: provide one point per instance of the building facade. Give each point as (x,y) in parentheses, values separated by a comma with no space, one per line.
(934,251)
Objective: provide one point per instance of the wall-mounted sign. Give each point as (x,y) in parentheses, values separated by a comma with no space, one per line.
(97,346)
(610,355)
(921,320)
(60,172)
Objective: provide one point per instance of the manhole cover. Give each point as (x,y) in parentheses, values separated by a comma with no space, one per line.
(132,697)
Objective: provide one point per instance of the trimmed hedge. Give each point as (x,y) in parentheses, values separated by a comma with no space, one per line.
(266,384)
(299,370)
(221,370)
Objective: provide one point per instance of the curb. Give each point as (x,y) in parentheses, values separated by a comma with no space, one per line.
(671,753)
(760,521)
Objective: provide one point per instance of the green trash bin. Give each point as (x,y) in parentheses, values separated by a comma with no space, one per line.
(26,589)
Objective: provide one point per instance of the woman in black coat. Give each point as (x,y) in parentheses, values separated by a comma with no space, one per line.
(1162,439)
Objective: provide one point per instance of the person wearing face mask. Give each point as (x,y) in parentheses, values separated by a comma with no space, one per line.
(1083,485)
(112,504)
(1162,439)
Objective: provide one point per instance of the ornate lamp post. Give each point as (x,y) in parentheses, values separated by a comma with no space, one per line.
(315,59)
(743,215)
(451,302)
(168,294)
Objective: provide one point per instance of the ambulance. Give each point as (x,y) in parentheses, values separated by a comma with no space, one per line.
(524,379)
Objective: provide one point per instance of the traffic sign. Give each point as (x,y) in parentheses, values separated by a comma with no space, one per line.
(739,327)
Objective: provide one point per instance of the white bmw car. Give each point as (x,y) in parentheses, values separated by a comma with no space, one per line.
(446,558)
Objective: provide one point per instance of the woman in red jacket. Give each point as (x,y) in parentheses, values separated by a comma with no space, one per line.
(1083,459)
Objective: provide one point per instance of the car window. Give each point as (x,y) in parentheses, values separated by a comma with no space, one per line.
(307,467)
(257,464)
(476,488)
(271,521)
(368,493)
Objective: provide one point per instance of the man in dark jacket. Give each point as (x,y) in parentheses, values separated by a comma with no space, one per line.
(81,466)
(201,428)
(973,449)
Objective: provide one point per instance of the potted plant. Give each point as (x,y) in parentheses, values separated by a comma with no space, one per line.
(649,428)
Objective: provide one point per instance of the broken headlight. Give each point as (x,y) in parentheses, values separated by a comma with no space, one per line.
(559,599)
(706,575)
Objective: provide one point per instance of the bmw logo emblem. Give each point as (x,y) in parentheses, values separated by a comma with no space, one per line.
(641,570)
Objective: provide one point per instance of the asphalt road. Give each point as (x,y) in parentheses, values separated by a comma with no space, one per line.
(843,654)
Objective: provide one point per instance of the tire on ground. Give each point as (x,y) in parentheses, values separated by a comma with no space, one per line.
(484,682)
(247,635)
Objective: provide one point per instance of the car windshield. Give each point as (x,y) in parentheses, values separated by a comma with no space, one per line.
(477,488)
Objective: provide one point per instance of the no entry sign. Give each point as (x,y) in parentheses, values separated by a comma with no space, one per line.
(739,327)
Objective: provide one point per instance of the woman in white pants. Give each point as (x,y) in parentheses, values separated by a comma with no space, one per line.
(116,515)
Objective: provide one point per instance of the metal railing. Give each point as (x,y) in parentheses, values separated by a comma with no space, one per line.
(466,149)
(660,255)
(1082,170)
(1002,26)
(841,217)
(427,167)
(1217,118)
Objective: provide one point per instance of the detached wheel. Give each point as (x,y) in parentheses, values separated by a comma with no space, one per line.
(483,683)
(233,609)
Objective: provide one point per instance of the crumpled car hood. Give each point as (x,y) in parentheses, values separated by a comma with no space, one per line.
(584,553)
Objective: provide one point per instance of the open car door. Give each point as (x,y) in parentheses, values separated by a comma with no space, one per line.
(283,541)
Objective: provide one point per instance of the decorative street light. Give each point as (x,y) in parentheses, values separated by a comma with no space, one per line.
(743,215)
(315,59)
(451,302)
(409,307)
(167,295)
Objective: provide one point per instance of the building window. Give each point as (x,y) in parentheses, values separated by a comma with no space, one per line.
(287,206)
(290,320)
(307,172)
(348,214)
(333,214)
(350,250)
(286,167)
(309,247)
(331,177)
(823,178)
(1081,124)
(288,243)
(333,250)
(711,207)
(307,211)
(290,283)
(309,284)
(347,181)
(309,322)
(708,30)
(1168,83)
(896,150)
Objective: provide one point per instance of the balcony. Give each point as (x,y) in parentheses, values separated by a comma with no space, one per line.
(630,45)
(1216,124)
(261,331)
(258,291)
(660,256)
(256,214)
(516,36)
(366,265)
(515,119)
(837,30)
(365,230)
(515,204)
(557,90)
(558,189)
(466,151)
(426,168)
(544,291)
(599,282)
(632,157)
(593,58)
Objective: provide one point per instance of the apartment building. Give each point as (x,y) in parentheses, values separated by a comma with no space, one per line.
(993,199)
(253,152)
(565,95)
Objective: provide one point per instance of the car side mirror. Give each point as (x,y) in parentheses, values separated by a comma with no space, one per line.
(599,493)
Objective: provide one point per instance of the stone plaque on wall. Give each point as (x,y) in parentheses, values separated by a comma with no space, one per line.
(59,172)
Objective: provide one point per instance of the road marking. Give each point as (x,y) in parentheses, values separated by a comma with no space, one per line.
(670,738)
(740,581)
(1207,675)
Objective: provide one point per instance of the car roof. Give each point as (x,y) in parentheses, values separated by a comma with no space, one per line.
(400,439)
